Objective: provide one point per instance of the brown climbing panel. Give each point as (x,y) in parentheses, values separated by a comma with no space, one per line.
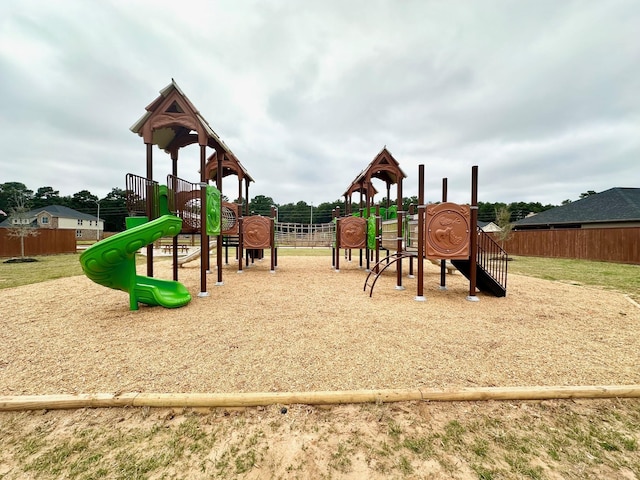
(448,231)
(256,232)
(353,232)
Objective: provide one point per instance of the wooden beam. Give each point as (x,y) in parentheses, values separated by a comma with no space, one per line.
(252,399)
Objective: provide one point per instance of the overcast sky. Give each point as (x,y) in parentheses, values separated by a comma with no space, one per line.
(542,95)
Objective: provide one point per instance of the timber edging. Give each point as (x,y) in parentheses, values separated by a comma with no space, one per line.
(254,399)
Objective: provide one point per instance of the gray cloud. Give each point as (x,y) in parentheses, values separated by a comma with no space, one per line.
(541,95)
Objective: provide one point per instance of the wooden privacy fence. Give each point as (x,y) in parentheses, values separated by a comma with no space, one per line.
(602,244)
(47,242)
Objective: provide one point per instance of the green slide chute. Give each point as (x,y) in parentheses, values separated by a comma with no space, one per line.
(112,263)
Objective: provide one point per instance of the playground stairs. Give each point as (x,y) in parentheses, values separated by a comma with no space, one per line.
(491,266)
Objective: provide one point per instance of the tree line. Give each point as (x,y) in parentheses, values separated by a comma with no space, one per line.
(113,207)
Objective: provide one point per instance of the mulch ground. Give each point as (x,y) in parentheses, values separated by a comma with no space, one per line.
(306,327)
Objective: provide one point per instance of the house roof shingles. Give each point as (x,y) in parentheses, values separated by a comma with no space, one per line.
(613,205)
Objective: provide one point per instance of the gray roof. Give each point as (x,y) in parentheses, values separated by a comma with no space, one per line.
(613,205)
(55,211)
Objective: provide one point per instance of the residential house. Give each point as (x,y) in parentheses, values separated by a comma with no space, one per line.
(59,217)
(613,208)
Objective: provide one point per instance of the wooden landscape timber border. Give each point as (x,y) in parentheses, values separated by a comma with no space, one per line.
(255,399)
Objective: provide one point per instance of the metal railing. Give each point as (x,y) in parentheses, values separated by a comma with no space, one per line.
(184,201)
(492,258)
(140,191)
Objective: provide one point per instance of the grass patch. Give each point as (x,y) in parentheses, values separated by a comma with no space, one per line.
(617,276)
(573,441)
(47,267)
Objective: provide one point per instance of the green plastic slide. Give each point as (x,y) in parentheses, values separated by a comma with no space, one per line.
(112,263)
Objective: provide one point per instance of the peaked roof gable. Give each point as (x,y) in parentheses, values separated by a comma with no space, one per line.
(62,211)
(170,119)
(230,165)
(614,205)
(384,167)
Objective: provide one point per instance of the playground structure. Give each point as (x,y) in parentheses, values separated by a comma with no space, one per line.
(439,233)
(172,122)
(386,168)
(448,232)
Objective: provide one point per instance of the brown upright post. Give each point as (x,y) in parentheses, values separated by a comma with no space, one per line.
(219,158)
(149,205)
(399,232)
(274,249)
(240,244)
(421,211)
(409,235)
(361,216)
(246,196)
(473,244)
(272,233)
(443,262)
(336,250)
(367,203)
(174,172)
(378,233)
(204,246)
(334,218)
(337,245)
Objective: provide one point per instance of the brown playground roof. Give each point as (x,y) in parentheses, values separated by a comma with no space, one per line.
(230,166)
(171,121)
(365,189)
(383,167)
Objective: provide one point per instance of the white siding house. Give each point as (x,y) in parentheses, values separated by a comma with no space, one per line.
(58,217)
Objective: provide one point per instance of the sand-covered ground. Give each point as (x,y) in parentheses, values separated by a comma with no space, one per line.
(307,327)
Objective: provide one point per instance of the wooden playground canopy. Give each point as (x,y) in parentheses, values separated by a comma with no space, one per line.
(386,168)
(171,122)
(230,166)
(383,167)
